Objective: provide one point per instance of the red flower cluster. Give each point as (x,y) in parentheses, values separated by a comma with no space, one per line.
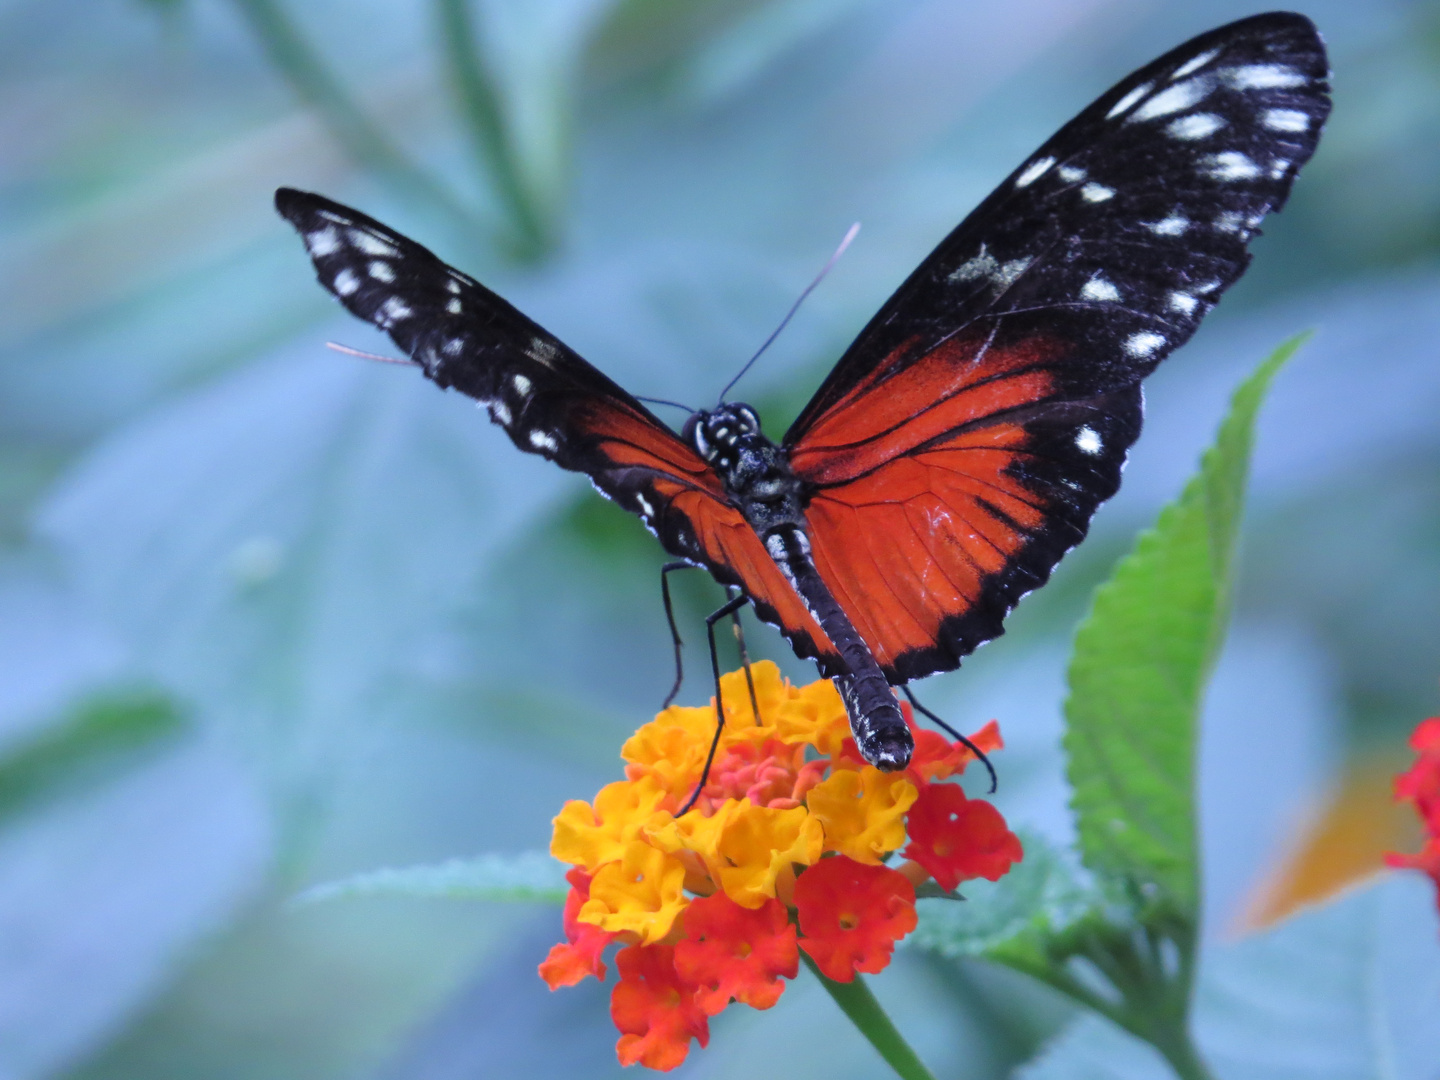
(785,850)
(1421,786)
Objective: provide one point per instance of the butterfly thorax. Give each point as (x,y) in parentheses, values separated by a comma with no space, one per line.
(756,474)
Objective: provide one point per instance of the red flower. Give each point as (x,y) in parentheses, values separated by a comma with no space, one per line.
(936,757)
(579,956)
(655,1009)
(955,837)
(734,952)
(1420,785)
(851,915)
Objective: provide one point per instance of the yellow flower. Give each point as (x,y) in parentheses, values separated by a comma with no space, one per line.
(814,714)
(863,811)
(589,838)
(642,893)
(759,846)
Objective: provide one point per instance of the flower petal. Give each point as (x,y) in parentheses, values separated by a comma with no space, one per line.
(852,914)
(654,1008)
(734,952)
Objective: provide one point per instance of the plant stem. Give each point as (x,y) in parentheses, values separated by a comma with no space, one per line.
(292,56)
(859,1004)
(479,99)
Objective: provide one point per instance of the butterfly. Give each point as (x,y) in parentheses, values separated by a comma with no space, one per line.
(963,442)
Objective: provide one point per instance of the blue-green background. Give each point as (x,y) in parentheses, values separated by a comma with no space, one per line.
(270,615)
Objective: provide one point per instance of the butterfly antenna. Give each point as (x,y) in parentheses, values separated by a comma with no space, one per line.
(348,351)
(829,265)
(663,401)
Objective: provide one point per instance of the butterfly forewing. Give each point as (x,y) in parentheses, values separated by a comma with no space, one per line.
(547,398)
(998,388)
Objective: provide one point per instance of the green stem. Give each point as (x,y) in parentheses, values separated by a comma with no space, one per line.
(1154,1009)
(859,1004)
(475,89)
(292,56)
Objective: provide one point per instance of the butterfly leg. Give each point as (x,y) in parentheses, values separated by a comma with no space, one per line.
(744,653)
(665,572)
(994,783)
(730,607)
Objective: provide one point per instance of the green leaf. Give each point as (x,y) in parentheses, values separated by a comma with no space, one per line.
(1040,897)
(1349,991)
(530,877)
(1138,674)
(99,735)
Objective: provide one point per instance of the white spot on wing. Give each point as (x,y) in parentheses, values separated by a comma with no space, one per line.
(452,285)
(1093,192)
(1183,302)
(1230,165)
(323,242)
(1088,441)
(454,347)
(1278,168)
(521,384)
(1206,287)
(1174,225)
(1129,99)
(1195,126)
(1172,99)
(381,271)
(371,244)
(1036,170)
(1097,288)
(453,306)
(1286,120)
(1229,221)
(1009,272)
(1071,174)
(1195,63)
(645,507)
(979,266)
(330,215)
(543,440)
(346,282)
(394,309)
(1143,344)
(500,412)
(1262,77)
(542,352)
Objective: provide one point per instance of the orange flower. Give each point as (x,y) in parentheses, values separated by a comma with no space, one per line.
(579,956)
(851,915)
(735,952)
(1420,784)
(791,824)
(955,837)
(654,1008)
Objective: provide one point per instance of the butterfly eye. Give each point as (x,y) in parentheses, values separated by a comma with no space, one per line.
(702,443)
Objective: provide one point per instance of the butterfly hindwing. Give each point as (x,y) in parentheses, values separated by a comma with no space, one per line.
(965,439)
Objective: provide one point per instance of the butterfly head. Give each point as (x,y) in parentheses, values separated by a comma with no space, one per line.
(720,434)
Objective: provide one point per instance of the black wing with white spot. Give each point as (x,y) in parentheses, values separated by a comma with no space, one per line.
(1120,232)
(964,441)
(549,400)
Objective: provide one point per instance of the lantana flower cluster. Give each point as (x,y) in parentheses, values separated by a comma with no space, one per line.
(1420,785)
(786,849)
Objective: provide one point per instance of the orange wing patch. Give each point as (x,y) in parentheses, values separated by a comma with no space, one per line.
(960,382)
(908,525)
